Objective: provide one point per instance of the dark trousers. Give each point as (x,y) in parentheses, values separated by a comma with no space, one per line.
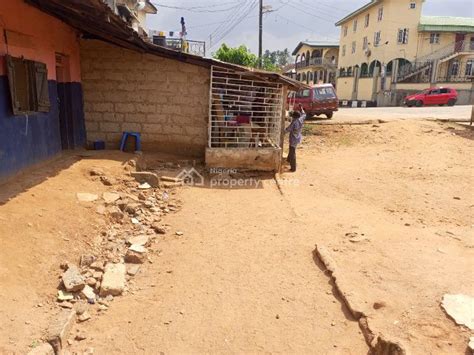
(292,158)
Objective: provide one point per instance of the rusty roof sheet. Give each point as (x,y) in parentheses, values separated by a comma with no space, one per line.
(95,20)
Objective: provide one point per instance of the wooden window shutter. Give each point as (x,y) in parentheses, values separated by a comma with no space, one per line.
(17,71)
(42,92)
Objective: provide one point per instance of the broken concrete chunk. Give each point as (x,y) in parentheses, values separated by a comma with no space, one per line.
(115,214)
(460,308)
(136,254)
(159,229)
(133,269)
(144,186)
(113,280)
(72,279)
(139,240)
(86,197)
(110,197)
(107,181)
(59,329)
(471,344)
(146,177)
(86,260)
(43,349)
(171,179)
(64,296)
(88,293)
(84,317)
(96,172)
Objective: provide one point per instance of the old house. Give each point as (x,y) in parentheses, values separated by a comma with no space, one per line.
(388,49)
(91,79)
(316,62)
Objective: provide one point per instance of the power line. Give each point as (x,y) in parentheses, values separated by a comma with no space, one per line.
(201,9)
(222,34)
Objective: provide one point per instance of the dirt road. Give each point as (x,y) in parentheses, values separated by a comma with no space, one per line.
(392,204)
(241,279)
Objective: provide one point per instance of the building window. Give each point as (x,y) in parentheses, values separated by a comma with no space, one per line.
(28,82)
(402,37)
(434,38)
(345,31)
(367,20)
(377,38)
(412,5)
(365,43)
(380,14)
(354,26)
(469,67)
(454,68)
(344,50)
(353,47)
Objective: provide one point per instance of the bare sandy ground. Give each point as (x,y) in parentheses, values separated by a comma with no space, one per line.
(242,277)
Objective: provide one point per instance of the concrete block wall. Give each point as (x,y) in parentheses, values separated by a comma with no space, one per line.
(166,100)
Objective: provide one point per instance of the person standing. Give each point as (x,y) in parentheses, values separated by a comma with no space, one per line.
(295,132)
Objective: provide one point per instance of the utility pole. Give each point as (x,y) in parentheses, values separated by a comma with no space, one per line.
(260,33)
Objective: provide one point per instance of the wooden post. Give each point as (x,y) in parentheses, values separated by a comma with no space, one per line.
(283,123)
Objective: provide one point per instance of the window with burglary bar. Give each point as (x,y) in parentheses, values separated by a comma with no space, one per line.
(245,110)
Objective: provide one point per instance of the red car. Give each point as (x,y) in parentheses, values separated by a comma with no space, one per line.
(434,96)
(318,100)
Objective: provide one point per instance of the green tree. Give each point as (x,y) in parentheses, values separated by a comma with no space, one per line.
(239,55)
(242,56)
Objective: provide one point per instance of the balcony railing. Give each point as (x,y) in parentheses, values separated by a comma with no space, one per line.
(179,44)
(318,61)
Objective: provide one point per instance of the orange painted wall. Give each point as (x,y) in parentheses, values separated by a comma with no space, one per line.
(37,36)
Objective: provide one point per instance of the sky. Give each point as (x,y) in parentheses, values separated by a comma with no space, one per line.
(235,22)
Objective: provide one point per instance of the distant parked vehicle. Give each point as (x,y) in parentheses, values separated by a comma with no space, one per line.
(435,96)
(319,99)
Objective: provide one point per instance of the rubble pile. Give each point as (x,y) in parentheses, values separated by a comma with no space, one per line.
(134,208)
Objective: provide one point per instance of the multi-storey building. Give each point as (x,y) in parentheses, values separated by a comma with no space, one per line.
(133,12)
(316,62)
(388,49)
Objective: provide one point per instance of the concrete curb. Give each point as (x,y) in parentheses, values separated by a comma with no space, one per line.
(346,123)
(378,344)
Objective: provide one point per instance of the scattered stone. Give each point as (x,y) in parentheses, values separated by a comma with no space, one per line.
(146,177)
(59,329)
(171,179)
(80,337)
(67,305)
(179,233)
(84,317)
(113,280)
(72,279)
(132,208)
(86,197)
(471,344)
(116,214)
(133,269)
(97,275)
(170,185)
(110,197)
(159,229)
(135,221)
(459,307)
(101,210)
(88,293)
(103,307)
(457,198)
(81,307)
(136,254)
(144,186)
(86,260)
(358,239)
(378,305)
(97,265)
(96,172)
(64,296)
(91,281)
(107,181)
(142,240)
(43,349)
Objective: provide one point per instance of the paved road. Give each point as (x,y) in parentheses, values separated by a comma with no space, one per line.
(397,113)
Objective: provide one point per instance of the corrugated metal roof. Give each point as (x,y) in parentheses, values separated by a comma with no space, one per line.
(358,11)
(446,24)
(97,21)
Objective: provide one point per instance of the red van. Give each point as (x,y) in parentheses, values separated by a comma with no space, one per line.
(434,96)
(318,100)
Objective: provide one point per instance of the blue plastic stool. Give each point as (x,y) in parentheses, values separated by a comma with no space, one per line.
(138,143)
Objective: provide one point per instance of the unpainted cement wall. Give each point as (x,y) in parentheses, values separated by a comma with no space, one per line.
(166,100)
